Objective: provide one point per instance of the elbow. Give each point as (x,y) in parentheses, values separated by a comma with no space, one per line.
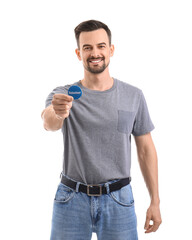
(146,154)
(144,151)
(45,127)
(141,155)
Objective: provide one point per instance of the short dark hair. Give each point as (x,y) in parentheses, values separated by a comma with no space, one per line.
(91,25)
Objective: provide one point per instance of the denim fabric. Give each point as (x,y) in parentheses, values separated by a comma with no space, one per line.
(111,216)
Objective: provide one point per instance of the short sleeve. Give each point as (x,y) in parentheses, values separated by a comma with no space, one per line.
(142,123)
(49,98)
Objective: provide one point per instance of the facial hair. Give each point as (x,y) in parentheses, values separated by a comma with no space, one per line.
(96,70)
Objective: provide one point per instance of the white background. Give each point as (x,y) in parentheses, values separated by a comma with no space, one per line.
(153,51)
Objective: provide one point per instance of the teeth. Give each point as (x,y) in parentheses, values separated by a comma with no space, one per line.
(96,61)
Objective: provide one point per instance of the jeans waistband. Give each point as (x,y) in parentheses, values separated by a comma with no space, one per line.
(102,184)
(103,188)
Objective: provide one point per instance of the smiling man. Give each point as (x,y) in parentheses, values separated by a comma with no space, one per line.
(95,193)
(95,50)
(98,63)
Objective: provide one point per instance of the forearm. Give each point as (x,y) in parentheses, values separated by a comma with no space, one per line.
(149,167)
(51,121)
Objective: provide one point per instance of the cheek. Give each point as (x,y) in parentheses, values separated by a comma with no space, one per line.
(107,56)
(108,53)
(84,59)
(82,56)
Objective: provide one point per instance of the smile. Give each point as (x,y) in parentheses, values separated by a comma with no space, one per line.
(96,61)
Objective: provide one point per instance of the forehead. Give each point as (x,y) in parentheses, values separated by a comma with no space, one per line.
(93,37)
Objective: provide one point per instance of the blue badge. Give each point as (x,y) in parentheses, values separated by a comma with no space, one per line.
(75,92)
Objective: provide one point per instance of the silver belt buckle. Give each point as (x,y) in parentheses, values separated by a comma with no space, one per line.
(94,194)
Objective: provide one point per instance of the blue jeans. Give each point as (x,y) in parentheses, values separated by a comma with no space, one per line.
(111,216)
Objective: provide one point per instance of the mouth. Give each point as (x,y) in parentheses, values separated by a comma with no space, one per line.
(95,61)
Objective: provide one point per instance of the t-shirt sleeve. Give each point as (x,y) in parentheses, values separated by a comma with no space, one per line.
(50,96)
(142,123)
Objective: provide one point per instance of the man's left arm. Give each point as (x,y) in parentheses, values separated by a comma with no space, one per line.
(147,157)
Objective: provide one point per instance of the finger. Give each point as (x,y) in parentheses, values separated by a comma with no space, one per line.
(147,223)
(61,107)
(57,101)
(149,229)
(64,97)
(62,112)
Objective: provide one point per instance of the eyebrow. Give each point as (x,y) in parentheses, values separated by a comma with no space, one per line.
(102,43)
(88,45)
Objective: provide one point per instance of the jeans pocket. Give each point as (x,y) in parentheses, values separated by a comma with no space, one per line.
(123,196)
(64,193)
(125,121)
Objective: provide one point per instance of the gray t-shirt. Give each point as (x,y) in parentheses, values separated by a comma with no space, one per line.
(97,133)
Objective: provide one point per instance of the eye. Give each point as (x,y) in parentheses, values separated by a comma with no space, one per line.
(102,46)
(87,48)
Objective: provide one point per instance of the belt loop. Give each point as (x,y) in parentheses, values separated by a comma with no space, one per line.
(77,187)
(107,187)
(61,174)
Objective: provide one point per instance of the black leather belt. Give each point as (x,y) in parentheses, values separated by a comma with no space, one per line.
(96,189)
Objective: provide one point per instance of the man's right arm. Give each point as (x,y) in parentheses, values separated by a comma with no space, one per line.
(51,121)
(54,115)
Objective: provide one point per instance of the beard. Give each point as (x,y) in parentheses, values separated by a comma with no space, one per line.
(96,69)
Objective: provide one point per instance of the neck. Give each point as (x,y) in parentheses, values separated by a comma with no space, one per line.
(100,82)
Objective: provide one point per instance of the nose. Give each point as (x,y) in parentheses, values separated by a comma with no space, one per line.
(95,53)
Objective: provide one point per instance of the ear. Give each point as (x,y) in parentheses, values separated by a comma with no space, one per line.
(112,49)
(77,51)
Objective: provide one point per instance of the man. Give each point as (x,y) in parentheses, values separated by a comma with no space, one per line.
(95,193)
